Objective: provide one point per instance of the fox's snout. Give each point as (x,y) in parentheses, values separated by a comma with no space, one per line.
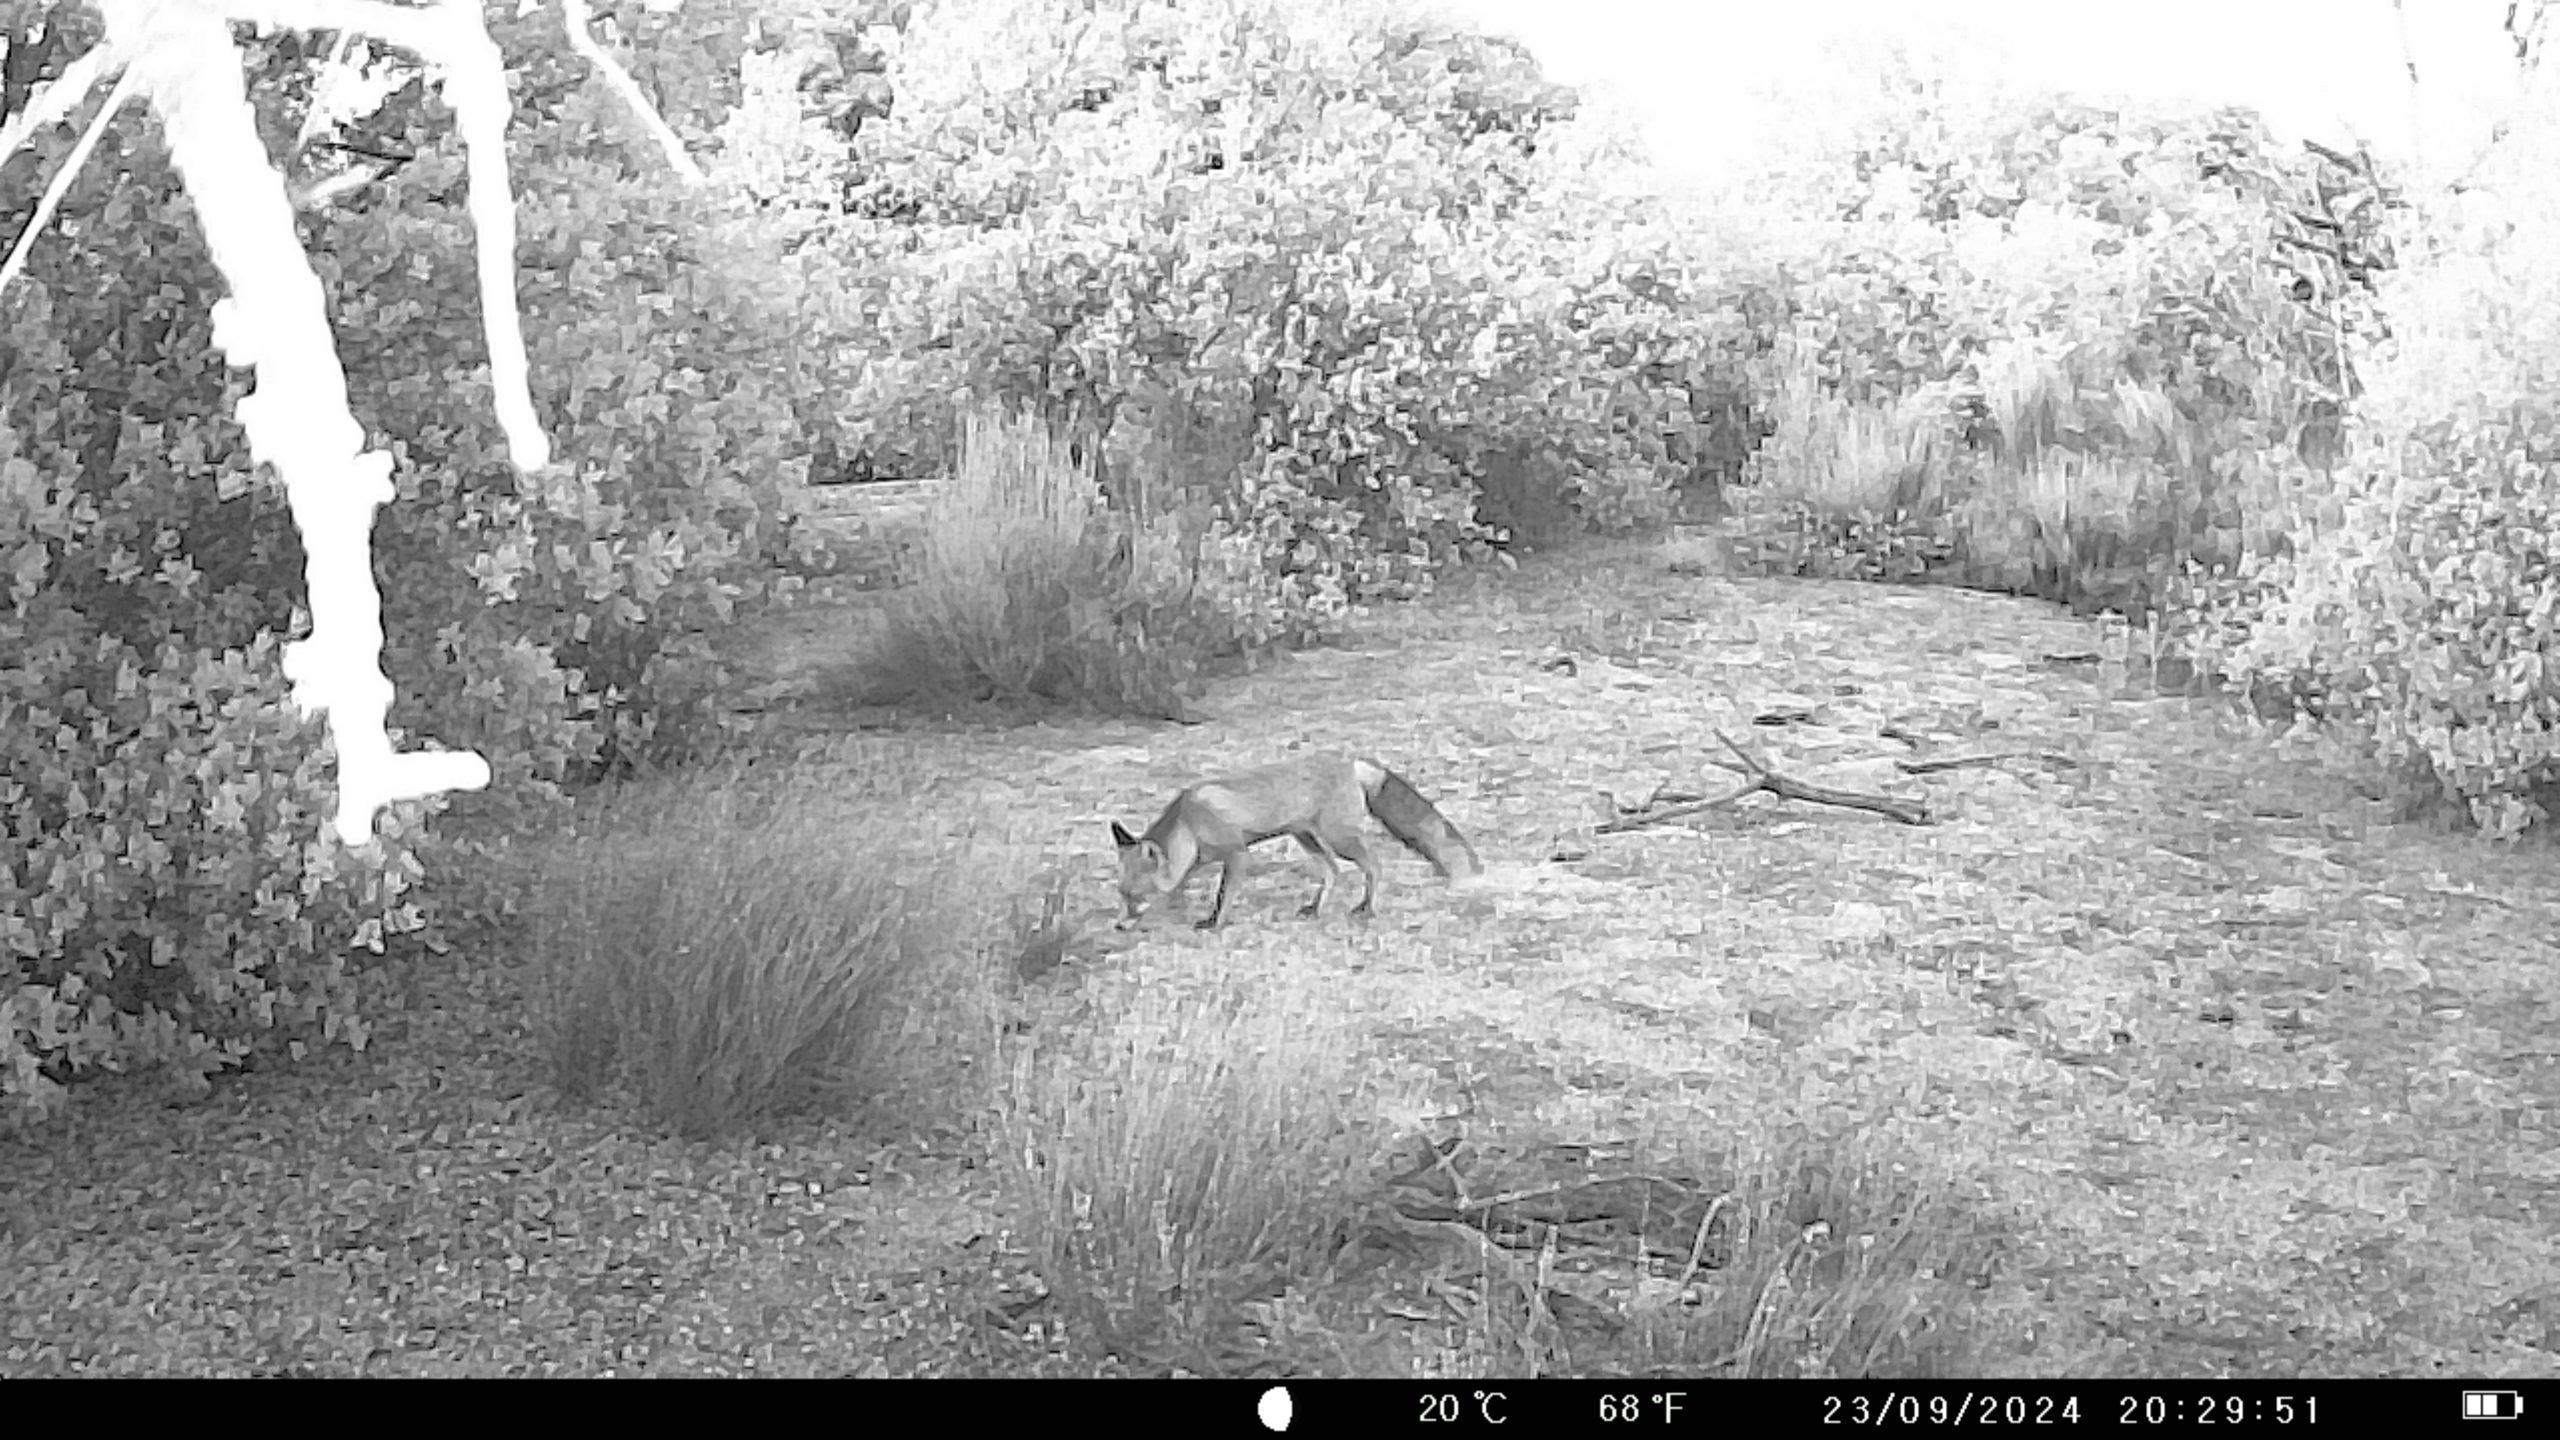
(1137,892)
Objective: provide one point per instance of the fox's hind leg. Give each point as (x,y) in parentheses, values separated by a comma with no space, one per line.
(1356,850)
(1319,857)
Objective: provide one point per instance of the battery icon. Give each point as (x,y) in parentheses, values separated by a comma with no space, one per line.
(2491,1404)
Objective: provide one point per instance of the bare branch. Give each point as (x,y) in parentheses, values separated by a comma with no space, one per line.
(77,80)
(574,19)
(1906,812)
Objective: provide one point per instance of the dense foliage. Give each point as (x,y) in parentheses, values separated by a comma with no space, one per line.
(1300,286)
(2427,609)
(156,575)
(2082,346)
(1313,272)
(2296,419)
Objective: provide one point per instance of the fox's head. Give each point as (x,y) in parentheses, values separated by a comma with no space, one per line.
(1145,874)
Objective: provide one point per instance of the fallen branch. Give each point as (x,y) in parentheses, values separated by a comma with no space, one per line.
(1945,762)
(1763,778)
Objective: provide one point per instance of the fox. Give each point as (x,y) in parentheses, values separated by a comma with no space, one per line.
(1315,800)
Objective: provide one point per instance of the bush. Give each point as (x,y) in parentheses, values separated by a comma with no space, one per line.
(546,621)
(1391,289)
(2429,616)
(169,898)
(2428,609)
(2065,350)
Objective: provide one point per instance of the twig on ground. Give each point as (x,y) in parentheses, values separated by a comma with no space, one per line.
(1907,812)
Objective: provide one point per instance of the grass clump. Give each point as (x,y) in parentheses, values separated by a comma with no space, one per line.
(1201,1153)
(1024,583)
(1817,1260)
(716,950)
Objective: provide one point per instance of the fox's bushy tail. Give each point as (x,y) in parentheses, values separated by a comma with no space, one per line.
(1422,828)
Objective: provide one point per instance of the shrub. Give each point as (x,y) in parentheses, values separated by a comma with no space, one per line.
(2428,610)
(2432,615)
(2095,344)
(1391,285)
(169,898)
(537,619)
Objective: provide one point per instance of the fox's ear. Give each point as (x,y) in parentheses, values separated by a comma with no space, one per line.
(1122,838)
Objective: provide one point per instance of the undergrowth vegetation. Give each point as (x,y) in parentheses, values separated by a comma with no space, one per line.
(1213,325)
(1212,1163)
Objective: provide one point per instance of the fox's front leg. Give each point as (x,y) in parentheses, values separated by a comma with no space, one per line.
(1229,876)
